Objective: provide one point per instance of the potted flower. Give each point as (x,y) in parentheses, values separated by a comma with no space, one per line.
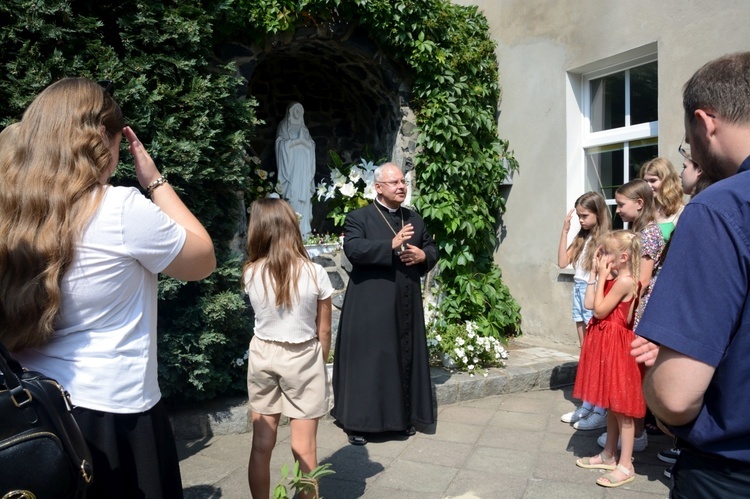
(319,244)
(462,347)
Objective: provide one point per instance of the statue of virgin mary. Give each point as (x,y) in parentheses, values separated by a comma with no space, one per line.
(295,157)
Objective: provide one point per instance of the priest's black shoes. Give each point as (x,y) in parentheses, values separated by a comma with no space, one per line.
(355,439)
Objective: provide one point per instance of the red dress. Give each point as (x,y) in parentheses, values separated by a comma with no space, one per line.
(608,376)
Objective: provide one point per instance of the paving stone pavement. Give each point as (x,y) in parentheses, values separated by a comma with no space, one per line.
(507,445)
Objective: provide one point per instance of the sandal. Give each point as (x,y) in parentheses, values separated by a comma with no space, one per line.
(585,462)
(610,481)
(357,440)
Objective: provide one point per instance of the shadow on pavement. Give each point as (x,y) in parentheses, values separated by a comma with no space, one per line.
(352,462)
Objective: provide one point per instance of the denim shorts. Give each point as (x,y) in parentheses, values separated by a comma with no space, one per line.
(580,314)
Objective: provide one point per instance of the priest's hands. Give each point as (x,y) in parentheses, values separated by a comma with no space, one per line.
(399,240)
(412,255)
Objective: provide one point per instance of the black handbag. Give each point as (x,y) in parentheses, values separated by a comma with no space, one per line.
(42,451)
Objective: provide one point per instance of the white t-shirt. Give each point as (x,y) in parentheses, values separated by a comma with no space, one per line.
(295,325)
(582,275)
(104,348)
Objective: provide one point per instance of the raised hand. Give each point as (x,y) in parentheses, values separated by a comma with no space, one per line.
(145,168)
(566,222)
(402,236)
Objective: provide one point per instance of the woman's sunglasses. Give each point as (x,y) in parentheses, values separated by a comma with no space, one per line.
(108,86)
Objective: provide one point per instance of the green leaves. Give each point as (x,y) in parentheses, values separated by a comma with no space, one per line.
(301,482)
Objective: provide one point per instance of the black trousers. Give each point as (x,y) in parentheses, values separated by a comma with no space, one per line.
(697,475)
(134,455)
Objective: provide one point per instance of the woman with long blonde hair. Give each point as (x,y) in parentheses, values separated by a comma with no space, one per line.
(79,260)
(665,184)
(291,298)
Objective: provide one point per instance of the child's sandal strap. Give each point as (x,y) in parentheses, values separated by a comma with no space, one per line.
(628,473)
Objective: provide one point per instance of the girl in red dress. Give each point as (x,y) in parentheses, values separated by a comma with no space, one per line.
(608,375)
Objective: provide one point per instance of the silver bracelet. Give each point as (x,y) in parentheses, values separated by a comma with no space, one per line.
(591,283)
(153,185)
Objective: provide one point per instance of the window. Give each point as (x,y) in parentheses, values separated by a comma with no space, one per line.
(621,125)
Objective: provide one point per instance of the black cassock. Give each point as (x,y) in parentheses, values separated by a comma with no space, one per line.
(381,375)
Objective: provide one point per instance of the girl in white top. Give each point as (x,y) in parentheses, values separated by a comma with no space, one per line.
(594,219)
(291,298)
(79,260)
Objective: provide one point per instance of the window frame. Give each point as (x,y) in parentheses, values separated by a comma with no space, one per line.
(622,135)
(578,139)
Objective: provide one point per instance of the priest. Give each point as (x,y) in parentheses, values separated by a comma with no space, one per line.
(381,376)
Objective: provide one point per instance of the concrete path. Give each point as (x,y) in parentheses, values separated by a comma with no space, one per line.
(511,445)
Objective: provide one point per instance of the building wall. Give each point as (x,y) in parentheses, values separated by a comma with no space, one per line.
(541,46)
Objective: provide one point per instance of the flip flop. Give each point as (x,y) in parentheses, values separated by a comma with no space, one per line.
(612,482)
(359,440)
(585,462)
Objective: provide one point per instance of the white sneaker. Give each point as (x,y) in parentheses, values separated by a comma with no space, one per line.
(593,421)
(575,416)
(639,445)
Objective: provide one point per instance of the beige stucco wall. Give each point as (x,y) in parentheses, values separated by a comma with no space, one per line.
(538,43)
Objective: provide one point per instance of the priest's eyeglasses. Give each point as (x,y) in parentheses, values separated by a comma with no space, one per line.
(394,183)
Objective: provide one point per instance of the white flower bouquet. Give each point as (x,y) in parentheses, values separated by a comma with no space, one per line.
(348,187)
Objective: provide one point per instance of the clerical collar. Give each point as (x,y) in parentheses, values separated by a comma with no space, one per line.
(390,210)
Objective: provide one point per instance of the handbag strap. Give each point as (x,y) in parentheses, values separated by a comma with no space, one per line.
(9,367)
(12,362)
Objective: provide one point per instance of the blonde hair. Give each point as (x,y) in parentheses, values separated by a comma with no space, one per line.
(274,239)
(50,166)
(625,241)
(669,194)
(593,202)
(639,189)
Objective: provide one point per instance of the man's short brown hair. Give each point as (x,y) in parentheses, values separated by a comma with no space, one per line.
(722,86)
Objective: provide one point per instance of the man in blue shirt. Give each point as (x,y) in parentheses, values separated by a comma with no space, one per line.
(699,311)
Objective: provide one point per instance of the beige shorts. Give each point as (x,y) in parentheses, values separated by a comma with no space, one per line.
(288,379)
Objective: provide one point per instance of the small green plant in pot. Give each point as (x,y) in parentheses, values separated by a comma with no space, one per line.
(301,482)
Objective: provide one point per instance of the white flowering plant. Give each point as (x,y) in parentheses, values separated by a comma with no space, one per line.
(316,238)
(260,183)
(464,346)
(348,187)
